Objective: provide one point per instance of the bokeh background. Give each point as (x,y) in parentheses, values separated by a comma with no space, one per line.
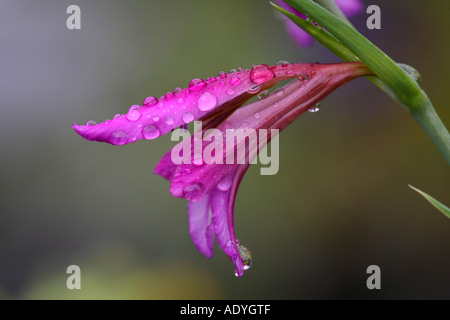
(339,203)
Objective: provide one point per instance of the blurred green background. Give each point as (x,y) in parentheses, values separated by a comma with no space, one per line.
(339,203)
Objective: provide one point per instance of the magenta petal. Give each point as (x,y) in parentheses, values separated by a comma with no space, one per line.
(201,227)
(165,167)
(350,7)
(222,204)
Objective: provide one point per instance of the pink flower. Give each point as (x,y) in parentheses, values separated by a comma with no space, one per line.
(349,7)
(211,187)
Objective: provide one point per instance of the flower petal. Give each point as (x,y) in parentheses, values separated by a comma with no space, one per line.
(201,227)
(350,7)
(222,207)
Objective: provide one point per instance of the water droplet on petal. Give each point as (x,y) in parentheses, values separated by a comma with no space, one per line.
(168,96)
(263,94)
(283,63)
(188,117)
(91,123)
(150,101)
(151,132)
(193,190)
(155,118)
(117,116)
(177,90)
(261,73)
(119,137)
(133,113)
(230,92)
(303,77)
(212,79)
(412,72)
(170,121)
(222,74)
(225,184)
(257,116)
(254,89)
(197,85)
(235,80)
(233,71)
(240,69)
(207,101)
(314,109)
(279,92)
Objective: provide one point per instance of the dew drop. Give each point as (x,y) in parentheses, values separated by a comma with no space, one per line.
(170,121)
(261,73)
(150,101)
(225,184)
(412,72)
(155,118)
(207,101)
(91,123)
(151,132)
(233,71)
(197,85)
(168,96)
(133,113)
(314,109)
(257,116)
(119,137)
(283,63)
(303,77)
(212,79)
(230,92)
(222,74)
(246,256)
(117,116)
(193,190)
(235,81)
(177,90)
(263,94)
(279,92)
(188,117)
(254,89)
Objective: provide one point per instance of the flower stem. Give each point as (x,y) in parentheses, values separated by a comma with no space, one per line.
(401,86)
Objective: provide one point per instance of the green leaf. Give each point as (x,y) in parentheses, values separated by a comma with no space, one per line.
(445,210)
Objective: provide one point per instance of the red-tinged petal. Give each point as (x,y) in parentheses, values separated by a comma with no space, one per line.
(350,7)
(165,167)
(194,181)
(201,227)
(202,100)
(222,207)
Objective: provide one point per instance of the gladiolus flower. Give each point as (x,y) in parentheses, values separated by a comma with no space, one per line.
(211,187)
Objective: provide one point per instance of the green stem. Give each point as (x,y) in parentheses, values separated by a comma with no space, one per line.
(399,84)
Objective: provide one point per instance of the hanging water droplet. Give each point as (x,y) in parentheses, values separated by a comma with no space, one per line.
(246,256)
(222,74)
(119,138)
(197,85)
(188,117)
(151,132)
(193,190)
(254,89)
(263,94)
(235,80)
(314,109)
(150,101)
(261,73)
(412,72)
(207,101)
(170,121)
(91,123)
(133,113)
